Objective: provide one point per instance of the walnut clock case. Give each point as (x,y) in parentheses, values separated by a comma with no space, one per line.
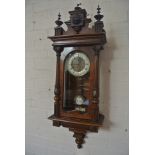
(76,91)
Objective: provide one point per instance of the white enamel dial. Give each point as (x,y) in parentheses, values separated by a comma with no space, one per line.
(78,64)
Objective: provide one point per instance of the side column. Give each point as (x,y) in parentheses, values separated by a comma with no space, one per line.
(95,100)
(58,51)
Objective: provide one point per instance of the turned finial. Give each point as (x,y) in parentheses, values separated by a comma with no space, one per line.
(59,16)
(58,21)
(79,4)
(98,17)
(98,9)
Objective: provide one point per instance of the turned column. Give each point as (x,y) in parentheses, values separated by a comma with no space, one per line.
(58,51)
(96,82)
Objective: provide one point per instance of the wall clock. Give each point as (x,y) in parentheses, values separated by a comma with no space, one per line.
(76,91)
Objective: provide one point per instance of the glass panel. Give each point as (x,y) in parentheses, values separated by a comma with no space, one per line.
(76,86)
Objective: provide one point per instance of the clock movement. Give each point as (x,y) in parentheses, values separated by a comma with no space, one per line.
(76,90)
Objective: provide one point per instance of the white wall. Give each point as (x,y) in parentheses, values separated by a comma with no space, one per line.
(41,137)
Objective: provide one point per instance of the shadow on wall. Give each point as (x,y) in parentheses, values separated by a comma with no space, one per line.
(105,59)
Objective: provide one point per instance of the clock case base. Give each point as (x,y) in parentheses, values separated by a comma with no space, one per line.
(77,126)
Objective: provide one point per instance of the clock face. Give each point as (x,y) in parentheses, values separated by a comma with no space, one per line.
(78,64)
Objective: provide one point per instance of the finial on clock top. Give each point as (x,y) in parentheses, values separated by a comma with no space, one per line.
(58,21)
(98,17)
(78,6)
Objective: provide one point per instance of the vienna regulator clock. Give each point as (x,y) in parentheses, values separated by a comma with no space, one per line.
(76,91)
